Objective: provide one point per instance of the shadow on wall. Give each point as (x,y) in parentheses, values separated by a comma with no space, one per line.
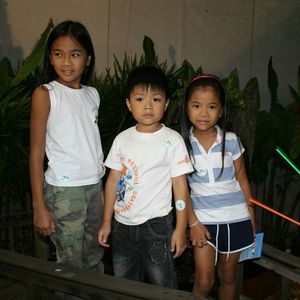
(6,46)
(272,26)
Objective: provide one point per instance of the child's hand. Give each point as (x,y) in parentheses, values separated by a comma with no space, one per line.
(178,242)
(199,235)
(103,234)
(43,221)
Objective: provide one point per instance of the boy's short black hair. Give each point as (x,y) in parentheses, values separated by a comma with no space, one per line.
(148,76)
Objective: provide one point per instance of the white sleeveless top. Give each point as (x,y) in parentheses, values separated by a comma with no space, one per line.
(73,145)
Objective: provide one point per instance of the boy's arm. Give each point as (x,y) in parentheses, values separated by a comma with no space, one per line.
(109,201)
(241,177)
(40,108)
(181,193)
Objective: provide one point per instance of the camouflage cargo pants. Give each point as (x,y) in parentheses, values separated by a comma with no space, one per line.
(77,213)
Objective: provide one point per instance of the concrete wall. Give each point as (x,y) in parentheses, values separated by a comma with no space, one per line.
(217,35)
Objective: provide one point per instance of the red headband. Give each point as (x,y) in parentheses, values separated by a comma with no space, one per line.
(203,77)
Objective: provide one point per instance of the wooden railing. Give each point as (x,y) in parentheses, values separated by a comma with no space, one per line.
(38,274)
(282,263)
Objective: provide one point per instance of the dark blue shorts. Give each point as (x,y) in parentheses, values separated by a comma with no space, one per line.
(232,237)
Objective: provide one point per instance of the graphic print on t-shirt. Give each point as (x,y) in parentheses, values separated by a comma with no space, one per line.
(123,185)
(125,190)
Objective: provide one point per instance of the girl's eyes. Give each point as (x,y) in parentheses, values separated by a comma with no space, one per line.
(57,54)
(60,54)
(197,106)
(76,54)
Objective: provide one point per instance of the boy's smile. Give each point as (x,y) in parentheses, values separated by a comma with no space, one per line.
(148,107)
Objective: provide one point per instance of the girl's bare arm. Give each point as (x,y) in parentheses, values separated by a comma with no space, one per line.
(40,108)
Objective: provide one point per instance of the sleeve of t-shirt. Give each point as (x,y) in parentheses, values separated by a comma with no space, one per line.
(113,160)
(179,159)
(96,96)
(237,148)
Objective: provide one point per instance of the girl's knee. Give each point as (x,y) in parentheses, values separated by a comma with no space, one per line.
(204,284)
(227,277)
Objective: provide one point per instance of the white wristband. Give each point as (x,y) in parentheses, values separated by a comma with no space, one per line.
(194,224)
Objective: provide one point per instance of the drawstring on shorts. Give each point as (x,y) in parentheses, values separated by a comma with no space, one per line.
(217,239)
(228,243)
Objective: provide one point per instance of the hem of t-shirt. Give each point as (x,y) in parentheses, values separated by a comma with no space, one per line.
(72,183)
(222,222)
(182,172)
(112,166)
(140,223)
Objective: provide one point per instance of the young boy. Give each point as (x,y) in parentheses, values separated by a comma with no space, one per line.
(147,162)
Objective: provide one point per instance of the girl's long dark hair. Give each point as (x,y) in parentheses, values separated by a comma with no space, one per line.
(77,31)
(203,81)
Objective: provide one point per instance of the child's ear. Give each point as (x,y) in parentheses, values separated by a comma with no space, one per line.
(221,113)
(128,104)
(167,103)
(88,60)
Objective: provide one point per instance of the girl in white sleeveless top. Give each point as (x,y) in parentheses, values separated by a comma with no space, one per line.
(66,199)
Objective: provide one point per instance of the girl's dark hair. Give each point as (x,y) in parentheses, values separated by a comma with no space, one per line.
(77,31)
(204,81)
(147,76)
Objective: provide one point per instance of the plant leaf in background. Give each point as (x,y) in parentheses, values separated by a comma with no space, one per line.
(32,61)
(232,85)
(6,76)
(272,81)
(15,95)
(150,55)
(274,179)
(294,107)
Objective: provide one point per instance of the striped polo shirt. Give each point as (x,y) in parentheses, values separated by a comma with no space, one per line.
(217,199)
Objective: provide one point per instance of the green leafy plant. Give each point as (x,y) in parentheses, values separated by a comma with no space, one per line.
(15,93)
(273,177)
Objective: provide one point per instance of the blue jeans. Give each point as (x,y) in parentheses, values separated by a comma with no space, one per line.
(144,250)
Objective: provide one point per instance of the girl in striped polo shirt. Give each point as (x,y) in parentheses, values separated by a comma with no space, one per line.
(221,218)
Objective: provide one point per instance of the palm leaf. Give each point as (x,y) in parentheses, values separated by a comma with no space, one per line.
(32,61)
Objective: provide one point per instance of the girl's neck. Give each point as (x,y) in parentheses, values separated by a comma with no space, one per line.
(206,138)
(76,85)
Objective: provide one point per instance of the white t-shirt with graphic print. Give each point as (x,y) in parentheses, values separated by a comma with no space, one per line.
(147,162)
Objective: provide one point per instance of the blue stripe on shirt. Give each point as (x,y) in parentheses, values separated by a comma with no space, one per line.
(216,201)
(231,146)
(228,174)
(195,178)
(196,149)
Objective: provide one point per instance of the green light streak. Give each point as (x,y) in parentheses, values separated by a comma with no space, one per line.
(287,159)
